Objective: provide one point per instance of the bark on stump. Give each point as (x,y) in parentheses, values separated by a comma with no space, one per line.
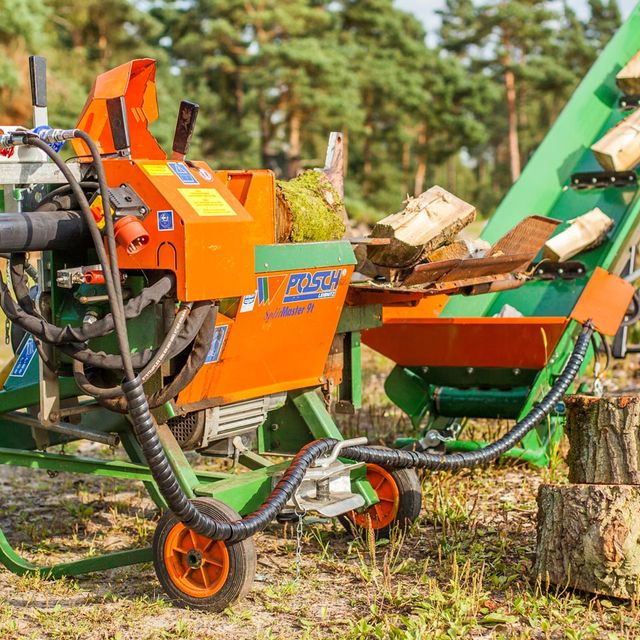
(589,532)
(604,439)
(588,538)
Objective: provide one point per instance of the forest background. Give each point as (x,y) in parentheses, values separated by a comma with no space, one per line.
(464,108)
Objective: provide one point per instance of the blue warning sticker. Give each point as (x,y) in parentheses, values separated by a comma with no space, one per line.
(24,359)
(216,344)
(183,173)
(165,220)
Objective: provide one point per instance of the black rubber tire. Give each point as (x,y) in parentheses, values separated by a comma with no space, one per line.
(242,562)
(409,505)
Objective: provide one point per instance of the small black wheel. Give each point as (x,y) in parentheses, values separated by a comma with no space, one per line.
(198,572)
(400,496)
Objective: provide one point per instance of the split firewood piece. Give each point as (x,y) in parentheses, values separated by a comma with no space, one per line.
(426,223)
(628,79)
(604,439)
(587,231)
(588,538)
(460,250)
(619,148)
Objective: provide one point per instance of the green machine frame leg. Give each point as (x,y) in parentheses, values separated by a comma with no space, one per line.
(303,418)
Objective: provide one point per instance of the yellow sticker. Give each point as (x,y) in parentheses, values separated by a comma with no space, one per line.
(157,169)
(207,202)
(97,209)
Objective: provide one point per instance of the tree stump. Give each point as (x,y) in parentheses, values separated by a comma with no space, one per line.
(589,532)
(604,439)
(588,538)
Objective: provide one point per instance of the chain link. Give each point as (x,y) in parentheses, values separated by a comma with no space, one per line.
(7,322)
(299,531)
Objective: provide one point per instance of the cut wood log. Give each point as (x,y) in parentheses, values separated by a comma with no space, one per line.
(619,148)
(426,223)
(308,209)
(460,249)
(588,538)
(604,439)
(585,232)
(628,78)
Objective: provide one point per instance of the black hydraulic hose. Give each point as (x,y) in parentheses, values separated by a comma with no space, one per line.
(195,360)
(158,359)
(146,432)
(630,320)
(189,515)
(17,268)
(115,298)
(108,269)
(191,330)
(56,335)
(65,189)
(399,459)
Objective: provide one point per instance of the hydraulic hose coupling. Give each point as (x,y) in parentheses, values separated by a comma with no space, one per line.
(52,136)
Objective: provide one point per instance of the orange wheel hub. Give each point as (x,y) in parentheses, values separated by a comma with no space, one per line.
(198,566)
(383,513)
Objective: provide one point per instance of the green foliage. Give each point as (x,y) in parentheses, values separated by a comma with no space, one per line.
(273,77)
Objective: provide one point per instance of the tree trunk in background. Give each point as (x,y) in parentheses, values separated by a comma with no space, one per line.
(265,132)
(588,538)
(406,160)
(514,146)
(239,93)
(421,169)
(295,143)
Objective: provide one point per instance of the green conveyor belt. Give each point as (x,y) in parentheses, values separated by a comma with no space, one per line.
(542,187)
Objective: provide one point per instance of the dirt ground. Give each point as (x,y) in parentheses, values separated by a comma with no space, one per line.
(463,570)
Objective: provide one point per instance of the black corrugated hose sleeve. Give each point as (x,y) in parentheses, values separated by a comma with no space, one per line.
(399,459)
(187,513)
(145,430)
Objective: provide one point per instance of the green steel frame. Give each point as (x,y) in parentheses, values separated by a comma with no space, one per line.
(305,413)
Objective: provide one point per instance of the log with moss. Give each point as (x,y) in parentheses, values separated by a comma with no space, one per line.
(309,209)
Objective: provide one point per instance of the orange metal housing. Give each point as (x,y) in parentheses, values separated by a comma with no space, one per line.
(270,345)
(210,239)
(415,335)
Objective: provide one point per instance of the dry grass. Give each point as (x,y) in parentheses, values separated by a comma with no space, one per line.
(462,571)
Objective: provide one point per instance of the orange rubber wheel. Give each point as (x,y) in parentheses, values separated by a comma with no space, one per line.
(198,572)
(197,565)
(400,495)
(383,513)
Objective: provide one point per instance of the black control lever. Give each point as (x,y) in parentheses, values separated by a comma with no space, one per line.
(38,80)
(187,114)
(117,113)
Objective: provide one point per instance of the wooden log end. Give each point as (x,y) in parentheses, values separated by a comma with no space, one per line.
(604,439)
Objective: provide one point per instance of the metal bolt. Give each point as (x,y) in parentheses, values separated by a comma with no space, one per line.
(275,426)
(516,372)
(470,370)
